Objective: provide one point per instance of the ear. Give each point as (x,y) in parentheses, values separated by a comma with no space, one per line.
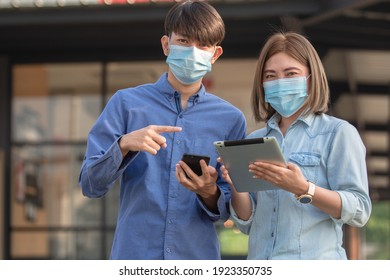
(218,52)
(164,44)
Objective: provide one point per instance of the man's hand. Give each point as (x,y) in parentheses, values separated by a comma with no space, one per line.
(147,139)
(205,185)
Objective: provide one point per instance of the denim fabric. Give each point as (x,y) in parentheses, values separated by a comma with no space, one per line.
(330,153)
(158,218)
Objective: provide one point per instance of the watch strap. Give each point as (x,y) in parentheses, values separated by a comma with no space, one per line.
(308,196)
(312,188)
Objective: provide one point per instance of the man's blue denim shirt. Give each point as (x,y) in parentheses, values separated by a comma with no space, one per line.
(158,218)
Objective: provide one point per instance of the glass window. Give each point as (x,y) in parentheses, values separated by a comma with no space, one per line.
(50,100)
(53,108)
(130,74)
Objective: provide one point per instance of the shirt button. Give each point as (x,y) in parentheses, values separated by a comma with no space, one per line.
(168,250)
(177,141)
(272,234)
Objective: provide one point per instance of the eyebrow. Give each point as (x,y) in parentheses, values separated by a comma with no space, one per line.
(292,68)
(284,70)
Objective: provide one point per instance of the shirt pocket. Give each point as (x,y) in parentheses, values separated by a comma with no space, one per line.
(308,162)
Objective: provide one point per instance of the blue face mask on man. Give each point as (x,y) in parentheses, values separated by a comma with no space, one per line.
(189,64)
(286,95)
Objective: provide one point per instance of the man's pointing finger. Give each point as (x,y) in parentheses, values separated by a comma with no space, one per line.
(166,128)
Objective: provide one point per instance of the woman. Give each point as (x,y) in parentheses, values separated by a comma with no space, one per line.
(325,183)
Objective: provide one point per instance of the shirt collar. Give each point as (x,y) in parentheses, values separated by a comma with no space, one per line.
(307,119)
(166,89)
(273,122)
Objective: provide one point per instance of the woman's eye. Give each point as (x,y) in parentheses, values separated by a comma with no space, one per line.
(292,74)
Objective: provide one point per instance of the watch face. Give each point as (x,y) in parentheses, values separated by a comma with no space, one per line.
(305,199)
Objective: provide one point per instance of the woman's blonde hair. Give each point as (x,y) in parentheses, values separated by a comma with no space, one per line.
(299,48)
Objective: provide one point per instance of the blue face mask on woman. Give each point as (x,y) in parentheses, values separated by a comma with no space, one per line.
(188,64)
(286,95)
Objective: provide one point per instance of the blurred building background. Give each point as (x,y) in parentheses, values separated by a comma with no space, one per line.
(60,61)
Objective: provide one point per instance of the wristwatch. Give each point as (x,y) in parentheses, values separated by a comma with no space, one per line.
(307,197)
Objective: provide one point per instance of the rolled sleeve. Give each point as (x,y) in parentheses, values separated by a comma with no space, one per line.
(348,176)
(243,226)
(223,213)
(355,211)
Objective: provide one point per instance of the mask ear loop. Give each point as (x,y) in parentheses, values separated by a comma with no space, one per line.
(212,57)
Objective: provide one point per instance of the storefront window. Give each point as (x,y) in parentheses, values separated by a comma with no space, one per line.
(50,218)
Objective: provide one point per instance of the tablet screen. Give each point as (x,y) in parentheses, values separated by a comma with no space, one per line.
(237,154)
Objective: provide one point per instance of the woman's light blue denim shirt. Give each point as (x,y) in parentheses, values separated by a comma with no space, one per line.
(330,153)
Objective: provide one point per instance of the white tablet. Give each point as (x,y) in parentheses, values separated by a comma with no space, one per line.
(237,154)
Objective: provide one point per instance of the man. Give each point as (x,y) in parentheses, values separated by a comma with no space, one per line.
(142,134)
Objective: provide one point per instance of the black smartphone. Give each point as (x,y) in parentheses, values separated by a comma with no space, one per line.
(193,161)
